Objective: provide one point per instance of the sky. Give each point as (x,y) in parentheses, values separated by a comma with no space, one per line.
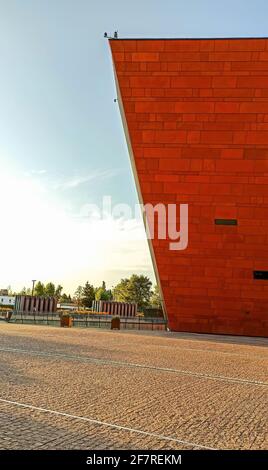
(62,145)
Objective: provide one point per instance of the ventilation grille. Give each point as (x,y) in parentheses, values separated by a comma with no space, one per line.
(225,222)
(260,275)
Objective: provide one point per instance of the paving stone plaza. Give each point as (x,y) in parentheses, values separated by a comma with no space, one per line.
(92,389)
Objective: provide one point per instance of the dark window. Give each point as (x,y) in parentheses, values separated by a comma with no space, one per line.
(225,222)
(260,275)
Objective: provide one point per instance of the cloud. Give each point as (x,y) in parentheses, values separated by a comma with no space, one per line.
(78,180)
(30,173)
(40,240)
(38,172)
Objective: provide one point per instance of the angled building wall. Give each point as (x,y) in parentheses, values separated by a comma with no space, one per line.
(195,114)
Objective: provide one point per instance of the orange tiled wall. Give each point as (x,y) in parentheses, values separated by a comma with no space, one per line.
(197,114)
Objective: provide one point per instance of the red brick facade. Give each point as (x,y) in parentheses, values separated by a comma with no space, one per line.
(197,117)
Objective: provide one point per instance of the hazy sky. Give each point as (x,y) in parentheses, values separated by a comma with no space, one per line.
(62,144)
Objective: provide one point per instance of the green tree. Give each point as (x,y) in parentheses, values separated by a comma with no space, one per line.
(39,289)
(50,289)
(102,293)
(25,291)
(78,295)
(58,291)
(121,291)
(137,289)
(156,298)
(64,299)
(88,295)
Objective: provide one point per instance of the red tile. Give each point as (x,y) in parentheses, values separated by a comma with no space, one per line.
(254,107)
(174,164)
(227,107)
(232,153)
(252,82)
(260,137)
(170,137)
(150,46)
(236,166)
(145,57)
(217,137)
(230,56)
(224,82)
(149,82)
(190,82)
(194,107)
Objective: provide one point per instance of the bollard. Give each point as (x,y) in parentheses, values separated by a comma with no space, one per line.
(115,323)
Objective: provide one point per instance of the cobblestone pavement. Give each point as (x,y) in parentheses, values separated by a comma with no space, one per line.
(92,389)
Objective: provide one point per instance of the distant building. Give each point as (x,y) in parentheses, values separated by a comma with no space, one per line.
(3,291)
(7,300)
(66,306)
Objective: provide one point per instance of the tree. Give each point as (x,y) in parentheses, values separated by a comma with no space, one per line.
(88,295)
(39,289)
(156,298)
(64,299)
(78,295)
(58,291)
(121,291)
(102,293)
(25,291)
(50,289)
(137,289)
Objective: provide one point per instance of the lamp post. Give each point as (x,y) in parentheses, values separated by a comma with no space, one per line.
(33,281)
